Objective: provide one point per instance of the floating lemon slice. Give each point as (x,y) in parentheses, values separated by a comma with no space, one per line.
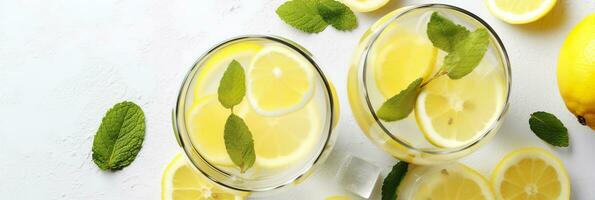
(365,5)
(402,59)
(212,69)
(455,181)
(279,81)
(453,113)
(283,140)
(206,121)
(520,12)
(181,181)
(531,173)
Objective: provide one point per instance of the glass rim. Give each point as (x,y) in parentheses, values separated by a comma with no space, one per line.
(501,51)
(180,126)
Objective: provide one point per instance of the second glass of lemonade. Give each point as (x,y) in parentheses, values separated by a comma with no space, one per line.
(286,104)
(450,117)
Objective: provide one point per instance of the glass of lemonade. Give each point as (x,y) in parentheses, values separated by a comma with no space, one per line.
(450,118)
(289,107)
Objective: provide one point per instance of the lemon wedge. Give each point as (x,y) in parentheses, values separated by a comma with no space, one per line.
(181,181)
(453,113)
(283,140)
(206,121)
(531,173)
(279,81)
(405,55)
(520,12)
(364,5)
(214,66)
(454,181)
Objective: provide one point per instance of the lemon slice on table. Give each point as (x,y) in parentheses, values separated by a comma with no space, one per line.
(455,181)
(206,121)
(279,81)
(402,59)
(181,181)
(283,140)
(531,173)
(212,69)
(453,113)
(364,5)
(520,12)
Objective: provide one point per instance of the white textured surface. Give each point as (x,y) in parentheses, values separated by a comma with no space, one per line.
(64,63)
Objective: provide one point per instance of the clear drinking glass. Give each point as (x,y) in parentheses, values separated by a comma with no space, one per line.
(201,84)
(404,139)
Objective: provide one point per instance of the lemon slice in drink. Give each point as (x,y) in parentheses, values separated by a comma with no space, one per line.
(402,59)
(455,181)
(279,81)
(364,5)
(531,173)
(212,69)
(205,121)
(520,12)
(282,140)
(453,113)
(181,181)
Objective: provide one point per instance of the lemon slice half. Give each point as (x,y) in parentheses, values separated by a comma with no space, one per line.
(531,173)
(364,5)
(520,12)
(279,81)
(402,59)
(454,181)
(453,113)
(181,181)
(284,140)
(206,121)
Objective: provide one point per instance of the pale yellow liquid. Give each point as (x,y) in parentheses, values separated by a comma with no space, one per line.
(411,138)
(269,132)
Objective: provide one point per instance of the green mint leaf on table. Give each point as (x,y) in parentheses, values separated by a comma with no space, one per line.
(232,87)
(337,14)
(392,181)
(119,137)
(549,128)
(303,15)
(444,33)
(467,54)
(401,105)
(239,143)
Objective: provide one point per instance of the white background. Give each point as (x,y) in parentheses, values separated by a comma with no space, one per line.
(64,63)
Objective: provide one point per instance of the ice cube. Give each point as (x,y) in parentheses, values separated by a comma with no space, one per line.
(358,176)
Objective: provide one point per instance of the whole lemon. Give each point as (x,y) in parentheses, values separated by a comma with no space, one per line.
(576,71)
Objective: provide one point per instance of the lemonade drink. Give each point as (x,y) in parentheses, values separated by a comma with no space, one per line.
(288,107)
(450,117)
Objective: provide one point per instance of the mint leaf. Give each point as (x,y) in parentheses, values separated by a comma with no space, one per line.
(444,33)
(303,15)
(467,54)
(232,87)
(239,143)
(549,128)
(392,181)
(400,105)
(337,14)
(119,137)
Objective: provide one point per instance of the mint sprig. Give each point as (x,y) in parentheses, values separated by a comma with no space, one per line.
(549,129)
(465,50)
(237,136)
(313,16)
(399,106)
(391,183)
(119,137)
